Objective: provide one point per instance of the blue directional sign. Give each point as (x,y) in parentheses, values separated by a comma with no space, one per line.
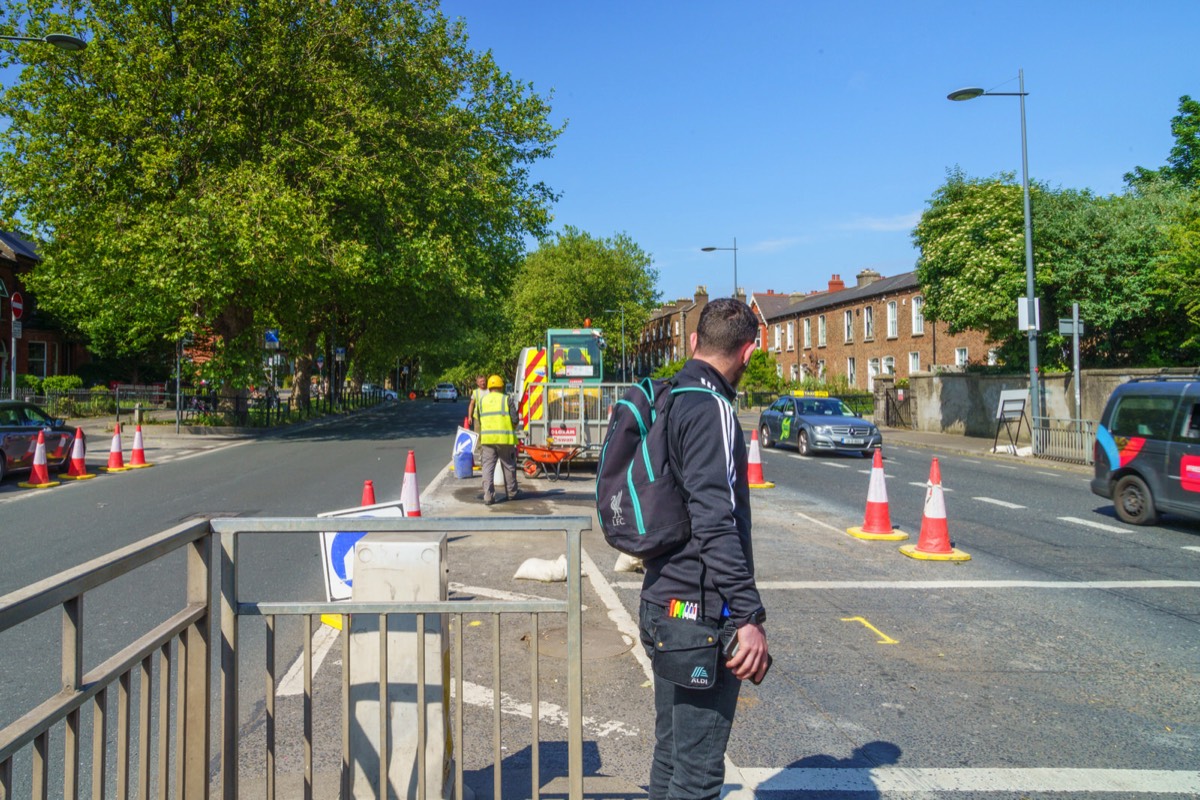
(337,548)
(271,338)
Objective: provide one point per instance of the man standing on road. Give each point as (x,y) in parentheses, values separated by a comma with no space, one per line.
(498,440)
(473,407)
(714,570)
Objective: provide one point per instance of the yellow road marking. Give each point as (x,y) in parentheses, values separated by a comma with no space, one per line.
(883,637)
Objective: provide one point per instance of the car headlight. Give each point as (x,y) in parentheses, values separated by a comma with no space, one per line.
(823,430)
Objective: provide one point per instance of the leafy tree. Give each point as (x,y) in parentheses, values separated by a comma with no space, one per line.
(345,171)
(760,375)
(575,277)
(1183,163)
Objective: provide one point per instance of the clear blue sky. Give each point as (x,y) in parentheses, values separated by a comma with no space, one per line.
(815,132)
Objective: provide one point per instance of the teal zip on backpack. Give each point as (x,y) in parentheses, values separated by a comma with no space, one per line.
(639,501)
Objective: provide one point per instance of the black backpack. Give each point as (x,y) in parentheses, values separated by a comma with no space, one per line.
(639,501)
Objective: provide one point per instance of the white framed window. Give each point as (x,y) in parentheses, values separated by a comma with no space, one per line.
(893,320)
(791,335)
(918,315)
(914,362)
(889,365)
(993,357)
(848,322)
(872,371)
(808,333)
(960,356)
(37,359)
(676,327)
(778,370)
(795,371)
(868,322)
(821,369)
(821,331)
(778,335)
(851,370)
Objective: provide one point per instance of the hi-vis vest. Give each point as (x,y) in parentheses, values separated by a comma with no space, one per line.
(495,424)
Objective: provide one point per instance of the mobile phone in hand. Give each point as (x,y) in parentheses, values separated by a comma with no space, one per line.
(770,661)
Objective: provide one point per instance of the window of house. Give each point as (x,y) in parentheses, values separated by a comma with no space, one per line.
(960,356)
(37,359)
(868,323)
(778,335)
(889,365)
(821,331)
(3,288)
(914,363)
(821,369)
(918,315)
(795,371)
(778,370)
(791,336)
(848,320)
(893,321)
(808,333)
(872,371)
(993,356)
(850,370)
(676,327)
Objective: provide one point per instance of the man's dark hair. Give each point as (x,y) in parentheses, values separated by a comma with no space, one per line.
(726,326)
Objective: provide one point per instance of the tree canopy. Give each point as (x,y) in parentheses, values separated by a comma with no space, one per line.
(348,172)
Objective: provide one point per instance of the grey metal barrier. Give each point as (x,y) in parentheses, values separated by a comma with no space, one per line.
(1071,440)
(176,653)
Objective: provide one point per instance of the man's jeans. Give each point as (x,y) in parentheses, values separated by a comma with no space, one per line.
(506,454)
(691,728)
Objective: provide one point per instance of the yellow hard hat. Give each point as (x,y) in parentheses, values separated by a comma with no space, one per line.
(495,382)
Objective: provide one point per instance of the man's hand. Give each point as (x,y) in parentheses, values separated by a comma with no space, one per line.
(750,660)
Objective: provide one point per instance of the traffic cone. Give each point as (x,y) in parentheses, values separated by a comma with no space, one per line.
(137,459)
(368,498)
(410,494)
(78,469)
(934,541)
(39,476)
(754,471)
(116,462)
(877,523)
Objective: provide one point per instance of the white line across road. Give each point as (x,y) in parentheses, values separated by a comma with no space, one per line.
(1001,503)
(762,782)
(980,584)
(1100,526)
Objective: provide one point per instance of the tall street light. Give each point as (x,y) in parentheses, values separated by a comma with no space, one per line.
(614,311)
(970,93)
(734,249)
(62,41)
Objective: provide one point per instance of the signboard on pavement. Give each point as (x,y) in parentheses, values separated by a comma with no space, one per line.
(17,328)
(337,548)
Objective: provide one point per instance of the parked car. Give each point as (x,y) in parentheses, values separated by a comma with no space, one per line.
(445,391)
(1147,451)
(374,388)
(814,421)
(19,426)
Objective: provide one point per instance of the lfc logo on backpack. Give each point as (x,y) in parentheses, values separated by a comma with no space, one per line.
(639,502)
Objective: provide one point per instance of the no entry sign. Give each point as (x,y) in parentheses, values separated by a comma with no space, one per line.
(18,304)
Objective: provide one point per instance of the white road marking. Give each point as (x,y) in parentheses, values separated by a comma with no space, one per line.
(1048,474)
(496,594)
(995,502)
(925,485)
(834,464)
(1197,549)
(476,695)
(821,523)
(1100,526)
(1003,466)
(971,461)
(293,680)
(616,611)
(1009,781)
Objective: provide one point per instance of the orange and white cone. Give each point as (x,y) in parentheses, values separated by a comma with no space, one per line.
(877,523)
(368,496)
(410,493)
(78,469)
(116,462)
(934,541)
(754,471)
(39,476)
(137,459)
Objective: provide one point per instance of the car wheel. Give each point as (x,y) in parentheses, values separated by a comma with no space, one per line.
(802,444)
(1133,502)
(764,436)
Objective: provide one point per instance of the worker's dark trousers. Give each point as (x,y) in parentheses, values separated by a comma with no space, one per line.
(506,454)
(691,728)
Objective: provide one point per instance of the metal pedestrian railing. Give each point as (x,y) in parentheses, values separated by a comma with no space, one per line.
(1070,440)
(164,689)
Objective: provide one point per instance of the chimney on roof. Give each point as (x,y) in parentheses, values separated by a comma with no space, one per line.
(867,277)
(701,297)
(836,284)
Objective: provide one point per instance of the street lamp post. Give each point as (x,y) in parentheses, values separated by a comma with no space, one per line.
(613,311)
(62,41)
(734,249)
(971,93)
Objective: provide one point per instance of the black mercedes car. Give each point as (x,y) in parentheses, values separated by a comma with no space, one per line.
(19,426)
